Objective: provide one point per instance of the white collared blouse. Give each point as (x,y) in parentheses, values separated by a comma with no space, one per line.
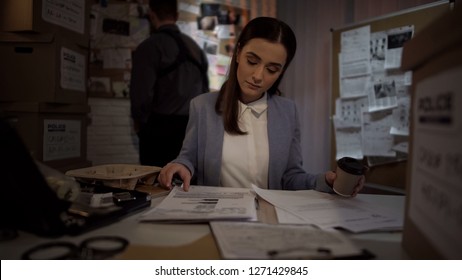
(245,158)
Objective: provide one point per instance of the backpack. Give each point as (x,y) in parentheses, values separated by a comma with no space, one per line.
(184,54)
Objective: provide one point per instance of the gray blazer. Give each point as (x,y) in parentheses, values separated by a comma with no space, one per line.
(203,144)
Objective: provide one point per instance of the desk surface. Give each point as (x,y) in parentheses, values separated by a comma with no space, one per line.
(187,241)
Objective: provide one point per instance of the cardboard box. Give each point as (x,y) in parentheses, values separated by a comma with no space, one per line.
(55,134)
(68,17)
(432,227)
(42,67)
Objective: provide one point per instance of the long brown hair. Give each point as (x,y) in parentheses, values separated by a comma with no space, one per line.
(267,28)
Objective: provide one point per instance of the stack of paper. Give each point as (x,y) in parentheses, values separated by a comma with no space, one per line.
(327,211)
(201,204)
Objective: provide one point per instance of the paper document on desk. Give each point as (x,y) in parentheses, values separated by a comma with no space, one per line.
(203,203)
(246,240)
(332,211)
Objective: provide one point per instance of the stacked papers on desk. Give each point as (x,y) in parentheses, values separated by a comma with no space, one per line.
(202,204)
(363,213)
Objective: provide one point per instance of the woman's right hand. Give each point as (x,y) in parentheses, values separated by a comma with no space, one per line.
(166,175)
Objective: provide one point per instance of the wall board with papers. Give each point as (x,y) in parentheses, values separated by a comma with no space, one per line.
(370,96)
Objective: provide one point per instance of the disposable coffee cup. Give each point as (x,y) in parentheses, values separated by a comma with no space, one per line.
(348,171)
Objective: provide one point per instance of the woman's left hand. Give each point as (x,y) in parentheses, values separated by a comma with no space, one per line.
(359,186)
(331,176)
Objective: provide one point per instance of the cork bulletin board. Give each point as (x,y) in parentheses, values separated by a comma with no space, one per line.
(387,171)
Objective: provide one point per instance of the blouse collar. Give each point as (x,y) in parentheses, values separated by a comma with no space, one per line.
(258,107)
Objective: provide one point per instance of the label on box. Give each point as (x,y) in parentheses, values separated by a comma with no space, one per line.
(69,14)
(435,203)
(72,70)
(61,139)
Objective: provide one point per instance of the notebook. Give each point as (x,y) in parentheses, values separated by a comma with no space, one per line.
(29,204)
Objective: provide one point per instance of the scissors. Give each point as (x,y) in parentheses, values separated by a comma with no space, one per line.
(93,248)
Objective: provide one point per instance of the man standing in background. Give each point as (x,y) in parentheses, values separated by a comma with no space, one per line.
(169,69)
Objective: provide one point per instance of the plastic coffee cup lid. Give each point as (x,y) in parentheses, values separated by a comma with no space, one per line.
(351,165)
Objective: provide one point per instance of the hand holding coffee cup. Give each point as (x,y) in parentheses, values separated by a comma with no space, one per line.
(349,172)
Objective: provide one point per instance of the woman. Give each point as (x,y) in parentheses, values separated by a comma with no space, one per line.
(247,133)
